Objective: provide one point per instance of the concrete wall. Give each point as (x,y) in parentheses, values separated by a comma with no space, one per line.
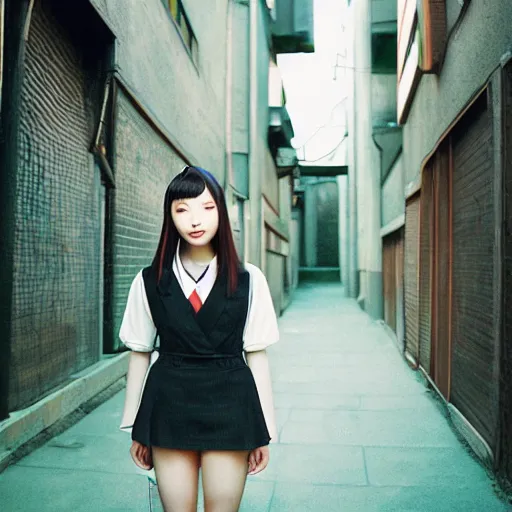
(383,99)
(392,198)
(259,69)
(367,166)
(188,101)
(474,50)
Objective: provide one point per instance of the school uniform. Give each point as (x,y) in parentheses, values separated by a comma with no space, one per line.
(199,394)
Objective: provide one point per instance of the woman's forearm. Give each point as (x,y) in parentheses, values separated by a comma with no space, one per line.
(258,363)
(137,369)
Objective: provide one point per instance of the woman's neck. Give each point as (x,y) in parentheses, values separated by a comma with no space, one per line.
(203,254)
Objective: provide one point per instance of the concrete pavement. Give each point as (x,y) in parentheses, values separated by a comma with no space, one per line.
(358,431)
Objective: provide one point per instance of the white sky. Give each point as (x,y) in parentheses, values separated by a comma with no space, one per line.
(311,91)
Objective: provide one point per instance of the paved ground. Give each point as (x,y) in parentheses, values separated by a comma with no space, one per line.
(357,432)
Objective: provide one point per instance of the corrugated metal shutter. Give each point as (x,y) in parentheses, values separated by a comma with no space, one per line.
(411,276)
(505,457)
(389,280)
(399,260)
(425,306)
(474,389)
(56,301)
(393,283)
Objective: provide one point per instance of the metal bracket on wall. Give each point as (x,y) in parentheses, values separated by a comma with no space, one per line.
(28,19)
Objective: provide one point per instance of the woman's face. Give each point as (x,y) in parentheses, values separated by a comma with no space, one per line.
(197,220)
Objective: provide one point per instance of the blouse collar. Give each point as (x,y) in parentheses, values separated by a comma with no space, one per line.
(188,285)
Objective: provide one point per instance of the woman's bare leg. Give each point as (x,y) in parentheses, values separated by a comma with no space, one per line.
(177,475)
(224,474)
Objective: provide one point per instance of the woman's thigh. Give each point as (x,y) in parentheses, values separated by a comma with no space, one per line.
(177,474)
(223,474)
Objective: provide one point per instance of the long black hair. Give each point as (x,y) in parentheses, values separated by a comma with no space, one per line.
(188,184)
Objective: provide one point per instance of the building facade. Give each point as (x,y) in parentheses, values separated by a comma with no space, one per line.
(453,101)
(94,127)
(437,179)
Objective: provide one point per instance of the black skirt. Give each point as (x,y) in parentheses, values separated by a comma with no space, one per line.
(197,403)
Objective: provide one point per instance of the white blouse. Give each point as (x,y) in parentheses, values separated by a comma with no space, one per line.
(138,332)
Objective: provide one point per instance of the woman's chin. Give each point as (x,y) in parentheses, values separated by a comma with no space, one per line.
(198,242)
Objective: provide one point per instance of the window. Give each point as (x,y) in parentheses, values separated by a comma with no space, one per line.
(182,23)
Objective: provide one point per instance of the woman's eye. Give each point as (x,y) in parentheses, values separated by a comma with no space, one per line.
(209,207)
(180,210)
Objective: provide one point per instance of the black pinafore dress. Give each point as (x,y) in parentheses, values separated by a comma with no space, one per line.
(199,394)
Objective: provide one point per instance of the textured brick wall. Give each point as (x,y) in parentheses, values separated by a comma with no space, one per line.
(145,165)
(56,255)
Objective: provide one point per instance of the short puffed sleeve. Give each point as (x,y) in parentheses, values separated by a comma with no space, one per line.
(138,331)
(261,328)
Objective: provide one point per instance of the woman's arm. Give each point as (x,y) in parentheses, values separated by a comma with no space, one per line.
(258,363)
(137,369)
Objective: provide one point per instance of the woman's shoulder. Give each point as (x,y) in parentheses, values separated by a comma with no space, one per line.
(254,271)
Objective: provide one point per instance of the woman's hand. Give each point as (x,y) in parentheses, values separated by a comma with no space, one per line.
(258,460)
(141,455)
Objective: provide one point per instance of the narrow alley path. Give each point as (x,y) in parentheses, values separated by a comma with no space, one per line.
(357,432)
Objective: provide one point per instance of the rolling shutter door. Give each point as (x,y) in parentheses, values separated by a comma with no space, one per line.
(389,281)
(56,297)
(441,279)
(425,305)
(473,389)
(399,259)
(505,457)
(411,276)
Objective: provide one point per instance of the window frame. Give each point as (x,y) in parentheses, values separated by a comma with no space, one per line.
(181,22)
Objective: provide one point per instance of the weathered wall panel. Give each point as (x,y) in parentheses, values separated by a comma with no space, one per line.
(145,165)
(473,52)
(392,195)
(188,101)
(57,243)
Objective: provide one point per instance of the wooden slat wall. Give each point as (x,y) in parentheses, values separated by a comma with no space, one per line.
(441,280)
(425,289)
(411,276)
(473,341)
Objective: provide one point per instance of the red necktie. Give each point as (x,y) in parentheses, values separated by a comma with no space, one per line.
(195,301)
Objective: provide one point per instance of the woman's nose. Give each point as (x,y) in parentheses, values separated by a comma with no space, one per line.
(195,224)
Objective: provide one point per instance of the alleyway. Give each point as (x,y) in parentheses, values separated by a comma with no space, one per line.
(358,432)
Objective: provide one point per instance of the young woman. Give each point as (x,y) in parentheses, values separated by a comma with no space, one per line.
(202,404)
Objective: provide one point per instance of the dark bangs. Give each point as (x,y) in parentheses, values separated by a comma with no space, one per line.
(189,184)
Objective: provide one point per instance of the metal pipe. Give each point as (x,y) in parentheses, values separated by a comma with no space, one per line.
(255,203)
(228,171)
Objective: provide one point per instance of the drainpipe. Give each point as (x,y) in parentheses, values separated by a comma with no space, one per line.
(255,206)
(17,18)
(228,172)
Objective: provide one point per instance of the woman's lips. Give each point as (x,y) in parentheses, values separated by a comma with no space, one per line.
(196,234)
